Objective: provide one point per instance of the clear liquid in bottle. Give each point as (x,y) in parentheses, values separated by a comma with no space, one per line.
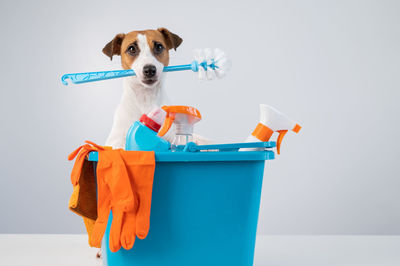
(180,140)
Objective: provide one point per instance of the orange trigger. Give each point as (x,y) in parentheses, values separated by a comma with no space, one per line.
(167,125)
(279,140)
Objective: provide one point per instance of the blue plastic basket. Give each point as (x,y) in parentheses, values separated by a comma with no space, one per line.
(204,208)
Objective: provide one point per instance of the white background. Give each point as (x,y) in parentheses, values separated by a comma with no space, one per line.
(333,66)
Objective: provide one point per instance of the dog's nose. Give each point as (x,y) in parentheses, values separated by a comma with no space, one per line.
(149,71)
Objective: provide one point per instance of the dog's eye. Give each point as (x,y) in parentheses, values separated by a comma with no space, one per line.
(158,48)
(132,50)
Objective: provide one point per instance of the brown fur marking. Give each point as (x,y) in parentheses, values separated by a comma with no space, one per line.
(121,42)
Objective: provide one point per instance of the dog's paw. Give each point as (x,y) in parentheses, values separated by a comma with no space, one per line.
(98,255)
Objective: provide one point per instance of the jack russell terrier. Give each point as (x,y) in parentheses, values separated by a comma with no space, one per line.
(146,52)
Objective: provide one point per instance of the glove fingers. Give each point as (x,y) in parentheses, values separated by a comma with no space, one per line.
(128,230)
(100,224)
(146,187)
(115,231)
(143,217)
(97,233)
(103,212)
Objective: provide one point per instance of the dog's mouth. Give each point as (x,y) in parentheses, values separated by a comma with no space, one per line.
(149,81)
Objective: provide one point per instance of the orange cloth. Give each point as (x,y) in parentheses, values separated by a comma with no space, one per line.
(124,186)
(80,153)
(125,183)
(83,198)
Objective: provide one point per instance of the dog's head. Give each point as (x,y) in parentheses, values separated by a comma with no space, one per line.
(146,52)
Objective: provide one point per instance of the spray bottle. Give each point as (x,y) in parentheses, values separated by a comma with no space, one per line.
(271,120)
(184,118)
(142,135)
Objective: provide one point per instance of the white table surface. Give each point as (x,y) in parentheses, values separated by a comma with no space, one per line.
(59,250)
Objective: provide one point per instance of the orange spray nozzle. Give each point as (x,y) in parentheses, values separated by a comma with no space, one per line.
(192,113)
(279,140)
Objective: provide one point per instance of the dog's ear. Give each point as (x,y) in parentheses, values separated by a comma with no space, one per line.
(173,40)
(114,46)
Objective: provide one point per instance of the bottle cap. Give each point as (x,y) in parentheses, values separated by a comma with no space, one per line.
(154,119)
(157,115)
(150,123)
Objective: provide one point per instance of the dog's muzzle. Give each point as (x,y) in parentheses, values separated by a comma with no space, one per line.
(149,74)
(149,71)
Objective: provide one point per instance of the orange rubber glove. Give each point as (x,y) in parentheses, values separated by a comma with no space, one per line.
(115,194)
(103,208)
(138,168)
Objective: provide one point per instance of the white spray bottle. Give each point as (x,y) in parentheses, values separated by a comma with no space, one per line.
(272,120)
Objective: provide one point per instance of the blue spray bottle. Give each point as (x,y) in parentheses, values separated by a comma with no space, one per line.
(142,135)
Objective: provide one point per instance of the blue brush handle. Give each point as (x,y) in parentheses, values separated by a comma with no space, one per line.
(103,75)
(95,76)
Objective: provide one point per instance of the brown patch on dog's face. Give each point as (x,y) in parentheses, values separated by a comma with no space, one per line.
(130,49)
(127,46)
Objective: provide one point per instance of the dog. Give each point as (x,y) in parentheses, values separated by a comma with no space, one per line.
(147,53)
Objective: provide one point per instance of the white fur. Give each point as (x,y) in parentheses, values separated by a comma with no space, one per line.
(139,98)
(146,57)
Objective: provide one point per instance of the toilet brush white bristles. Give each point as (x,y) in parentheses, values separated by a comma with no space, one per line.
(215,63)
